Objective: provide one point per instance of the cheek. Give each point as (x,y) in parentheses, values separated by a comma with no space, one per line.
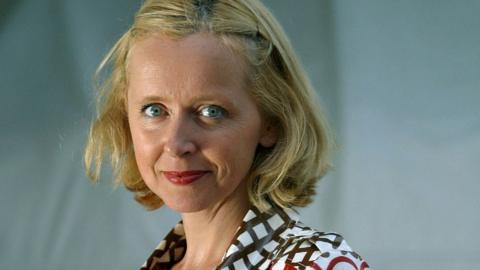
(236,152)
(145,151)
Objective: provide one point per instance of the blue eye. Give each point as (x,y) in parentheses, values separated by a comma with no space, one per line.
(213,111)
(153,110)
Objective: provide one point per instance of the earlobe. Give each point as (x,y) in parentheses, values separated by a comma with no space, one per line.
(269,136)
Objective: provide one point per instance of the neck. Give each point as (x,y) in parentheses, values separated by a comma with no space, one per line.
(209,232)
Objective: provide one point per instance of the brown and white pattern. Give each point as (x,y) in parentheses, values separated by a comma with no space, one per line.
(271,240)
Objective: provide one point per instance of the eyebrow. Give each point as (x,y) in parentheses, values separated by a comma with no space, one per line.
(151,99)
(194,99)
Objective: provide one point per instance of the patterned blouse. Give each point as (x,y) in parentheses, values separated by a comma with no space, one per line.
(271,240)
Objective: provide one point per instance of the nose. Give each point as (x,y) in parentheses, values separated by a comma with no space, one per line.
(179,137)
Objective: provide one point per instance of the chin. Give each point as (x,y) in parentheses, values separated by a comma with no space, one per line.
(186,206)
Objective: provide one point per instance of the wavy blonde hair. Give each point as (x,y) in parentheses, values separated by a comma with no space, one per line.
(284,174)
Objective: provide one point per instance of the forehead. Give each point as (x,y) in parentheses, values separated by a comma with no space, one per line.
(197,61)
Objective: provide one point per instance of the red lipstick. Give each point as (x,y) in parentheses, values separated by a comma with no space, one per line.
(183,177)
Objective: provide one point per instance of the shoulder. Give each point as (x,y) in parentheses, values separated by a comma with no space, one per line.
(305,248)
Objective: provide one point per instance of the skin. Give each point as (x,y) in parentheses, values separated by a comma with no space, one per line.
(189,109)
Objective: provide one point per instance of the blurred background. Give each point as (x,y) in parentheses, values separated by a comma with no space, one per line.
(400,81)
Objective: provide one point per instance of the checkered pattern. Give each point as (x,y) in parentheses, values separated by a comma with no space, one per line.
(268,240)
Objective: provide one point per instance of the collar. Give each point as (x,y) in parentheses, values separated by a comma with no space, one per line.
(259,231)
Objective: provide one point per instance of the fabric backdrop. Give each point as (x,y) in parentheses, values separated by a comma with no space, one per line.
(400,83)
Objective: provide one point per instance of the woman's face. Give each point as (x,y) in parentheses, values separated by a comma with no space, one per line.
(194,126)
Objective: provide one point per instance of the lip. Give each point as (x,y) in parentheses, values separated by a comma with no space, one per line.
(183,177)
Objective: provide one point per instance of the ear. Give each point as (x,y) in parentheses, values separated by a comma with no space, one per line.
(269,135)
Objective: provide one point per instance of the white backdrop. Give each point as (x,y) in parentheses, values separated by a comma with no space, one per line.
(400,81)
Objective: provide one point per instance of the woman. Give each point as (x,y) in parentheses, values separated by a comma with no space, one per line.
(208,111)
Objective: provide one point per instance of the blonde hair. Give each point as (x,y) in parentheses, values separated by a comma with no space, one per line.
(284,174)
